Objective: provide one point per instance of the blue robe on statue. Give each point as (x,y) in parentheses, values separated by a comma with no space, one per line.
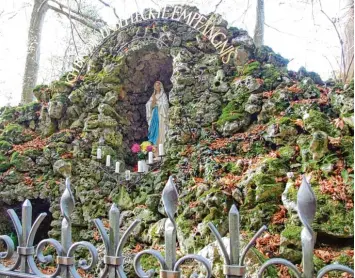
(153,131)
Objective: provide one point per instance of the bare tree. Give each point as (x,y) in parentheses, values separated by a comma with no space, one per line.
(39,11)
(348,39)
(345,33)
(260,22)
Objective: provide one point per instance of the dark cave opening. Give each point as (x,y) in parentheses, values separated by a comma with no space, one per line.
(38,206)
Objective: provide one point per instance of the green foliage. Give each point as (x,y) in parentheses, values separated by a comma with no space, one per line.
(234,110)
(250,68)
(347,150)
(4,163)
(317,120)
(333,218)
(270,74)
(5,146)
(287,152)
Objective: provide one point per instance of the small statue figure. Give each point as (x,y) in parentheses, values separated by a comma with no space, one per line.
(157,115)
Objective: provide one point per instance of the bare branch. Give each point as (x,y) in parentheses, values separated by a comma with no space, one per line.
(81,20)
(339,37)
(286,33)
(109,6)
(80,14)
(331,66)
(216,7)
(71,28)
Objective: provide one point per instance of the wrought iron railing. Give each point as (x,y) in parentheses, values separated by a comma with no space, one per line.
(25,265)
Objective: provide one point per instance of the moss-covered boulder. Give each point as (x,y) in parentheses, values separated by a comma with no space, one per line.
(21,163)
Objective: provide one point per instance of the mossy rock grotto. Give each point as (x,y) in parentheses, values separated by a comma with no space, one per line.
(242,132)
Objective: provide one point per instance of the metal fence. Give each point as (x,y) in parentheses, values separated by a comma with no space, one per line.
(25,265)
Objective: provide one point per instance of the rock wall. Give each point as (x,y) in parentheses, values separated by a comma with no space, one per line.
(240,133)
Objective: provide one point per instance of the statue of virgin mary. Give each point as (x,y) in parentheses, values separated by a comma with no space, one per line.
(157,115)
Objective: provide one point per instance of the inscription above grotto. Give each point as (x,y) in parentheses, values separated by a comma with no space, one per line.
(205,25)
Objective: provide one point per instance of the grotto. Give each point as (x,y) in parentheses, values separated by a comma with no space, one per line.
(240,132)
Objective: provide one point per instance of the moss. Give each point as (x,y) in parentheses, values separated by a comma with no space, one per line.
(269,192)
(317,120)
(276,166)
(149,262)
(318,263)
(8,114)
(347,150)
(250,68)
(292,193)
(12,130)
(292,232)
(271,75)
(256,149)
(332,217)
(234,110)
(287,152)
(61,87)
(5,146)
(344,259)
(263,178)
(230,113)
(4,163)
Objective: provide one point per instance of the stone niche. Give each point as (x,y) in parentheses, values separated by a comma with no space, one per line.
(144,67)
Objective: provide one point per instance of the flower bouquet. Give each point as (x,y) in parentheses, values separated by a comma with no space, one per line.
(142,150)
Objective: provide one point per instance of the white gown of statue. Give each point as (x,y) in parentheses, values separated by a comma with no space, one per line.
(163,108)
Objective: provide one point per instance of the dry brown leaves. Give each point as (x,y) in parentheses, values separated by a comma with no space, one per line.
(47,270)
(36,144)
(294,89)
(137,248)
(229,182)
(299,122)
(253,133)
(28,181)
(194,204)
(336,187)
(83,274)
(280,216)
(188,151)
(339,123)
(268,245)
(334,141)
(267,94)
(67,155)
(328,255)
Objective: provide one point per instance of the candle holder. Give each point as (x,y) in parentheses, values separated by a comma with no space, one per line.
(133,179)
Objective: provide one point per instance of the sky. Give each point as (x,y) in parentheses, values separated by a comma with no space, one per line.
(295,30)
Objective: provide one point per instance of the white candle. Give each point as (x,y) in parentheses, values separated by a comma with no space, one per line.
(108,160)
(140,166)
(117,170)
(161,149)
(99,153)
(150,157)
(128,175)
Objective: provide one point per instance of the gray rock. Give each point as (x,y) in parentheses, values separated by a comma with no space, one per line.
(62,167)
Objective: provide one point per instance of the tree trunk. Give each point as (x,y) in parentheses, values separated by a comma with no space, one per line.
(348,40)
(259,26)
(33,50)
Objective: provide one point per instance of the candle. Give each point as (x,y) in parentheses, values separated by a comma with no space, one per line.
(108,160)
(99,153)
(150,157)
(161,149)
(117,170)
(140,166)
(128,175)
